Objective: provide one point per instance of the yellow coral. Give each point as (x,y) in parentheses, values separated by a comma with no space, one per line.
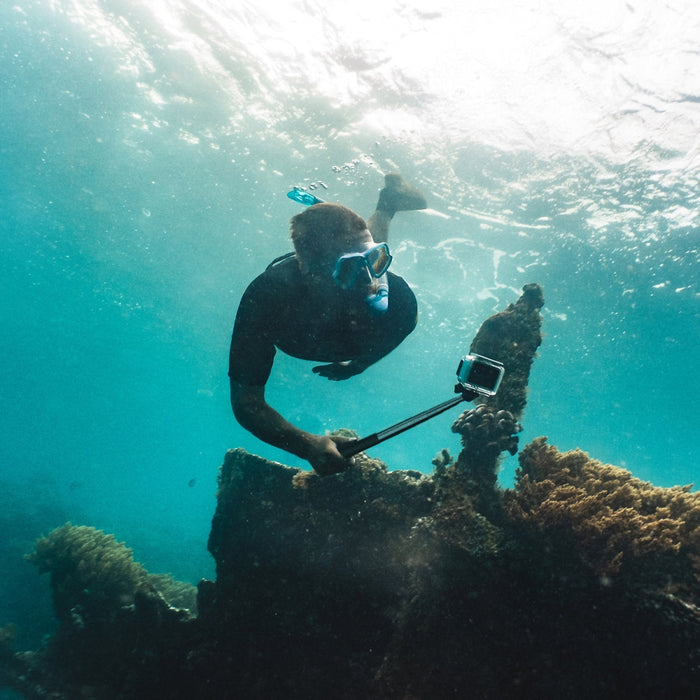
(613,516)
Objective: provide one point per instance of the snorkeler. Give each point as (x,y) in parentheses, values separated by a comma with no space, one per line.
(334,301)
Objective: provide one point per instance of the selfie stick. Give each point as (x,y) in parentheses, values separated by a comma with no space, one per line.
(348,449)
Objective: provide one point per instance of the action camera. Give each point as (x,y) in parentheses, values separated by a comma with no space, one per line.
(480,374)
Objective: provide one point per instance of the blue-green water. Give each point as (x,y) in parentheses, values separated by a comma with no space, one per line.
(146,151)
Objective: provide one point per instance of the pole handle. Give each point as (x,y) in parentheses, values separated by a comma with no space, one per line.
(352,447)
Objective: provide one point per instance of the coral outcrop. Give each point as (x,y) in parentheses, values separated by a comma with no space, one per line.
(112,615)
(619,525)
(511,336)
(580,582)
(91,570)
(312,572)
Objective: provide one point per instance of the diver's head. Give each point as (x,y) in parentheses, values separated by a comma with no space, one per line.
(335,249)
(325,231)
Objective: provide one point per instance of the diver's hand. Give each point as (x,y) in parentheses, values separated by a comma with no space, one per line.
(336,371)
(324,456)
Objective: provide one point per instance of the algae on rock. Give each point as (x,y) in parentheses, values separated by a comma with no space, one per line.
(511,336)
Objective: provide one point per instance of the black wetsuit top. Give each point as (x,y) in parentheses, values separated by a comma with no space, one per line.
(276,311)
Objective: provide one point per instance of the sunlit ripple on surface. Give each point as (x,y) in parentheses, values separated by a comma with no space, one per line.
(616,79)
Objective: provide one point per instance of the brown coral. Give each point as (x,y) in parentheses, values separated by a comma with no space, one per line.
(91,571)
(487,431)
(87,566)
(615,518)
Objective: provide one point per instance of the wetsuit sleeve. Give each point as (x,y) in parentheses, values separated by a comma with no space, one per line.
(252,346)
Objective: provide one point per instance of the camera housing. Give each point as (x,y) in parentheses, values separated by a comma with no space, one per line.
(480,374)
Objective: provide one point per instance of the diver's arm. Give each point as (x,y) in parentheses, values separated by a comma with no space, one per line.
(263,421)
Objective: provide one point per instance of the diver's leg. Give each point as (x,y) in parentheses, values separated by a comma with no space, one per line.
(396,195)
(378,225)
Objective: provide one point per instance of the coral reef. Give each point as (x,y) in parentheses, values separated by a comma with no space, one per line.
(112,614)
(377,583)
(580,582)
(620,525)
(88,569)
(315,580)
(92,570)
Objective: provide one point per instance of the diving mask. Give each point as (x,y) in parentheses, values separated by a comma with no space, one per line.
(375,261)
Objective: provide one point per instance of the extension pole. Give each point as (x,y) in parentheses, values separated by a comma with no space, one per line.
(348,449)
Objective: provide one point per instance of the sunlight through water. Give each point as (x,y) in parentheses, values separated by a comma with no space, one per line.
(147,151)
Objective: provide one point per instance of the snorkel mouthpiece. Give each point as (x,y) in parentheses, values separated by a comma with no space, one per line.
(378,301)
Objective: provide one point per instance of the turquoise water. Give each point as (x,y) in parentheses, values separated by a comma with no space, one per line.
(146,153)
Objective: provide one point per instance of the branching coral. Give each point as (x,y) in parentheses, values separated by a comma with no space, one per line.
(90,569)
(87,566)
(614,517)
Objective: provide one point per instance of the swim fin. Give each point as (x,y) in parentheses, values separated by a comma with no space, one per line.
(299,194)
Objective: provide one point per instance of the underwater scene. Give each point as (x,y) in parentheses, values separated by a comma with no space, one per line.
(147,149)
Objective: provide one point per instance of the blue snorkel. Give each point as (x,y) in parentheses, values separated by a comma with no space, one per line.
(378,300)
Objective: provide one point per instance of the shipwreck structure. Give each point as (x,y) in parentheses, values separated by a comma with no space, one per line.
(580,582)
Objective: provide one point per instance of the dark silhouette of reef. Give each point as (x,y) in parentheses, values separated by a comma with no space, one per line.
(579,582)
